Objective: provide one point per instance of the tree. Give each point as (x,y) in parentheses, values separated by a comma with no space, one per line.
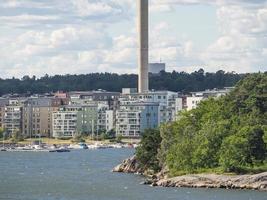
(1,132)
(78,138)
(174,81)
(228,133)
(118,138)
(147,151)
(247,148)
(111,133)
(16,136)
(257,147)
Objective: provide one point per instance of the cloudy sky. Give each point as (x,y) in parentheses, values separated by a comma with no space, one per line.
(84,36)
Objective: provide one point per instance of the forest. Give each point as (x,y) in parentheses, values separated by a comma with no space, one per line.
(226,134)
(173,81)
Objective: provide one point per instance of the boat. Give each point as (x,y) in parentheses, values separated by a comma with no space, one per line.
(62,150)
(83,146)
(59,150)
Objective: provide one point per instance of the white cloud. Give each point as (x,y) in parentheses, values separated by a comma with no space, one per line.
(85,8)
(243,39)
(72,36)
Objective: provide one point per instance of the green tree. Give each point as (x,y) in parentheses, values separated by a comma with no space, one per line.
(1,132)
(174,81)
(229,132)
(234,153)
(16,136)
(147,151)
(118,138)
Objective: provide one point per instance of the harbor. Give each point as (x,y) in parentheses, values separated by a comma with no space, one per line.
(62,148)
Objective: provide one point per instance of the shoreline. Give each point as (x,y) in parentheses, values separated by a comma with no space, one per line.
(250,182)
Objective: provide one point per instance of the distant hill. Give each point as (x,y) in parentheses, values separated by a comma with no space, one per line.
(173,81)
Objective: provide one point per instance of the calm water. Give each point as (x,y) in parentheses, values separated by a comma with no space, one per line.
(80,175)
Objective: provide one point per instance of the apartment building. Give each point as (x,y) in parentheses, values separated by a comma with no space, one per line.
(13,116)
(87,118)
(37,115)
(166,100)
(110,120)
(196,97)
(65,123)
(133,118)
(96,96)
(3,103)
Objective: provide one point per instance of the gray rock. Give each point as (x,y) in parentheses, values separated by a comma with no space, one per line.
(255,182)
(129,165)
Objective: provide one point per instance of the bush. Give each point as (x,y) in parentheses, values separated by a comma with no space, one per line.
(78,139)
(118,139)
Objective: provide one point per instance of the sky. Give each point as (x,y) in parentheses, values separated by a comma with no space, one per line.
(39,37)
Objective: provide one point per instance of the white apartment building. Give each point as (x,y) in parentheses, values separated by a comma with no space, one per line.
(104,117)
(197,97)
(110,120)
(166,100)
(179,106)
(64,124)
(133,118)
(192,102)
(12,119)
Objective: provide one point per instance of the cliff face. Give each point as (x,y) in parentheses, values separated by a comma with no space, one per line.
(129,165)
(255,182)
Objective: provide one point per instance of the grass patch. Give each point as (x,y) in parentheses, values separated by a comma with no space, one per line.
(244,170)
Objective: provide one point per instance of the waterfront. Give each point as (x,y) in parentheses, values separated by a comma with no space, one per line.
(85,174)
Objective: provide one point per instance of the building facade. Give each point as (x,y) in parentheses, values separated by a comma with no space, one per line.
(13,117)
(134,117)
(37,115)
(156,68)
(64,123)
(165,99)
(3,103)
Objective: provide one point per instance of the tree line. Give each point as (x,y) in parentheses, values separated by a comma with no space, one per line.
(173,81)
(227,134)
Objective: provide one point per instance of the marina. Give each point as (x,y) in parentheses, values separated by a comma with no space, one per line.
(62,148)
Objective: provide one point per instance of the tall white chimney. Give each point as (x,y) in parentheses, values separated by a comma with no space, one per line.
(142,23)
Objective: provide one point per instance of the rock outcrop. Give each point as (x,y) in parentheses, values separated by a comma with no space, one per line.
(129,165)
(255,182)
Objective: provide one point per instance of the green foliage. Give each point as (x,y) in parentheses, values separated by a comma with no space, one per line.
(244,149)
(1,132)
(78,138)
(174,81)
(147,152)
(118,138)
(109,135)
(16,137)
(234,153)
(227,133)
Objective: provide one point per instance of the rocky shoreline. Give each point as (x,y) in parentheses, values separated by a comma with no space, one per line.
(253,182)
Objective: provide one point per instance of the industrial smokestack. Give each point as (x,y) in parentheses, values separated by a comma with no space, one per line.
(142,8)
